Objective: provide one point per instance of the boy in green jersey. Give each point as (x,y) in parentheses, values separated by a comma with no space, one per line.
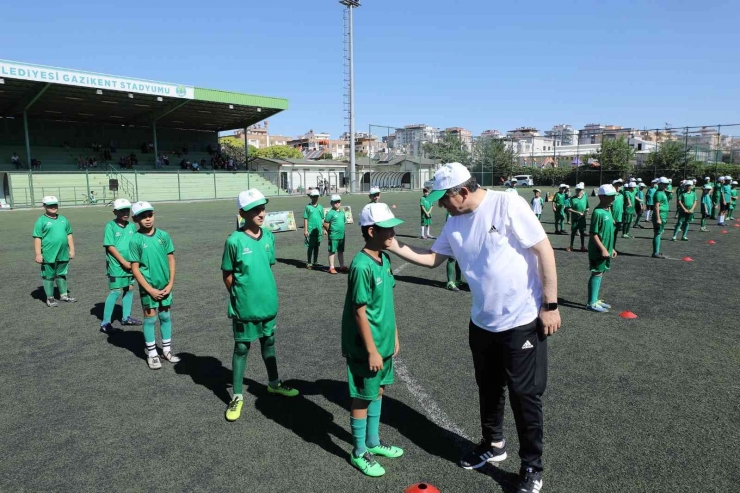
(733,200)
(601,246)
(716,194)
(370,337)
(374,195)
(454,274)
(628,193)
(660,214)
(725,197)
(578,210)
(54,248)
(558,207)
(153,265)
(116,241)
(706,206)
(650,200)
(566,206)
(334,222)
(618,208)
(639,204)
(686,206)
(426,214)
(246,265)
(313,221)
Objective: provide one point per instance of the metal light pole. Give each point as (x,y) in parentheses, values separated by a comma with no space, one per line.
(351,4)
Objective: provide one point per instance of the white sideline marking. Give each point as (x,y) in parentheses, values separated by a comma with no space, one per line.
(428,404)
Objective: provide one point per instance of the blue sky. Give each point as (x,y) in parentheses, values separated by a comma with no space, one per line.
(480,65)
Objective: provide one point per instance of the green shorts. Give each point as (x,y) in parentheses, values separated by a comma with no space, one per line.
(689,218)
(148,302)
(600,265)
(426,221)
(578,223)
(365,384)
(659,228)
(54,270)
(336,246)
(559,212)
(251,331)
(120,282)
(313,239)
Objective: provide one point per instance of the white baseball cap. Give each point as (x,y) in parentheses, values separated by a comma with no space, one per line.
(378,214)
(618,180)
(119,204)
(733,182)
(374,190)
(314,193)
(249,199)
(642,185)
(447,176)
(607,190)
(50,200)
(140,207)
(562,185)
(706,178)
(580,186)
(632,184)
(707,187)
(728,178)
(721,178)
(664,180)
(639,180)
(336,198)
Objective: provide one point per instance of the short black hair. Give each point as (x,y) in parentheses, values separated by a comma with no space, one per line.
(425,190)
(365,234)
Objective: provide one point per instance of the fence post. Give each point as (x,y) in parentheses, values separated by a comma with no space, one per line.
(136,184)
(179,192)
(215,193)
(248,173)
(87,181)
(30,185)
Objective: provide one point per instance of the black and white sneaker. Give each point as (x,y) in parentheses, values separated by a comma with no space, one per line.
(530,481)
(482,453)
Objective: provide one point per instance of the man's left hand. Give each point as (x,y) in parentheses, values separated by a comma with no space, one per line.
(550,321)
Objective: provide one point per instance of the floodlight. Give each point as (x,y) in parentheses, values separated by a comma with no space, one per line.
(99,91)
(159,98)
(231,106)
(130,96)
(259,110)
(2,81)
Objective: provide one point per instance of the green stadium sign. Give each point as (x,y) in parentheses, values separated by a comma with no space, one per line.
(40,73)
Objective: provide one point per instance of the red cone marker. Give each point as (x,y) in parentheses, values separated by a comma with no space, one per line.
(627,315)
(421,488)
(687,259)
(724,231)
(711,242)
(394,206)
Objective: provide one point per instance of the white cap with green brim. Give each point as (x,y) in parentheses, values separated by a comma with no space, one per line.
(336,198)
(580,186)
(733,183)
(119,204)
(447,176)
(537,190)
(50,200)
(378,214)
(642,185)
(314,193)
(632,184)
(663,180)
(607,190)
(249,199)
(707,187)
(140,207)
(562,185)
(374,191)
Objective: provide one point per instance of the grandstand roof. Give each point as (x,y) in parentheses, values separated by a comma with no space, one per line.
(64,94)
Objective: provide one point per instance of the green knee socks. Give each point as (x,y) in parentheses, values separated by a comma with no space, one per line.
(165,326)
(594,284)
(267,345)
(656,244)
(128,301)
(239,366)
(359,428)
(110,304)
(62,285)
(373,423)
(48,287)
(149,323)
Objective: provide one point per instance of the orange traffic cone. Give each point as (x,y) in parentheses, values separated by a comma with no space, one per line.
(421,488)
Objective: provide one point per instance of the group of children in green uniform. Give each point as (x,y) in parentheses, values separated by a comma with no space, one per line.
(369,334)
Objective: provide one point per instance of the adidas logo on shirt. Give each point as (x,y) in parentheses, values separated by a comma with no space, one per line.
(246,251)
(493,229)
(527,345)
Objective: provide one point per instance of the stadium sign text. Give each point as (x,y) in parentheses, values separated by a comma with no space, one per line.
(40,73)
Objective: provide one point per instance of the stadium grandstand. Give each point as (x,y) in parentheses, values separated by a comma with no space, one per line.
(68,133)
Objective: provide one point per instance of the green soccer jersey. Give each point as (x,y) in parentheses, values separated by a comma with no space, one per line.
(426,204)
(119,237)
(618,207)
(662,198)
(579,205)
(733,196)
(717,193)
(53,233)
(315,216)
(336,220)
(150,252)
(726,192)
(629,202)
(370,284)
(253,295)
(688,199)
(559,200)
(602,224)
(706,202)
(650,197)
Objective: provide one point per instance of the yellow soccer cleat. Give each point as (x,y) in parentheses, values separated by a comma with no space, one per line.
(235,409)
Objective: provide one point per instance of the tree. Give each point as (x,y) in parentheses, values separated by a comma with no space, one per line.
(552,175)
(494,156)
(450,149)
(615,155)
(278,152)
(671,155)
(327,155)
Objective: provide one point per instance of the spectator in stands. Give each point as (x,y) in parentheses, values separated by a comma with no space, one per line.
(195,166)
(93,200)
(122,162)
(112,146)
(95,162)
(202,163)
(35,164)
(165,159)
(134,160)
(80,162)
(106,154)
(14,159)
(184,164)
(158,163)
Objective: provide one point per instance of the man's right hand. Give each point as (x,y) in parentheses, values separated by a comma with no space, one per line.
(39,259)
(375,362)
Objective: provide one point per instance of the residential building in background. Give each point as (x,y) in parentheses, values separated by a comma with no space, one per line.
(491,134)
(465,135)
(259,136)
(590,134)
(563,134)
(523,133)
(411,138)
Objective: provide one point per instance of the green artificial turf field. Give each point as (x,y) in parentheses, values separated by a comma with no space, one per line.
(649,404)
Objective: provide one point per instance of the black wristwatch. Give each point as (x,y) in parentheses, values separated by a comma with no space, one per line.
(549,306)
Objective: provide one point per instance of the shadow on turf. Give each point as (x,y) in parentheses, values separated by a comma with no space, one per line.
(133,340)
(99,308)
(426,282)
(298,264)
(39,294)
(572,304)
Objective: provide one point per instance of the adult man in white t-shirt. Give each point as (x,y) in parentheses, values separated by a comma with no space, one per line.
(510,267)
